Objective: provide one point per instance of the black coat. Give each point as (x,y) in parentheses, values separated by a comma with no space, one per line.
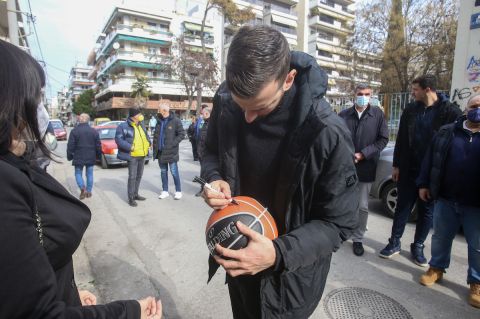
(202,136)
(370,136)
(316,198)
(447,113)
(38,281)
(84,145)
(173,135)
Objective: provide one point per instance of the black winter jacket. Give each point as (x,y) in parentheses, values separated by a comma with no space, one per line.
(447,113)
(316,196)
(38,281)
(173,135)
(124,137)
(83,145)
(370,136)
(436,163)
(202,136)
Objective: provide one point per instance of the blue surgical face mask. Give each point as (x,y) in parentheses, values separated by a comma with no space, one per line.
(363,100)
(474,115)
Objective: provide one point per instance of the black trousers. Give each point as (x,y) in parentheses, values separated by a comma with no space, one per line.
(245,296)
(194,149)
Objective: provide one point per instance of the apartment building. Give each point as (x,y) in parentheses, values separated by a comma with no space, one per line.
(324,27)
(137,41)
(12,27)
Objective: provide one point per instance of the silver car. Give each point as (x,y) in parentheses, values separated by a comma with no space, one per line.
(384,188)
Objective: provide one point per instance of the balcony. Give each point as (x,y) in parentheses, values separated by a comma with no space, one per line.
(135,59)
(195,40)
(334,10)
(136,34)
(336,27)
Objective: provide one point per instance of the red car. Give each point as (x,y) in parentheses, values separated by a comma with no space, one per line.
(59,130)
(109,147)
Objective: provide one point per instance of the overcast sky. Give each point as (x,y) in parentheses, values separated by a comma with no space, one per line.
(67,31)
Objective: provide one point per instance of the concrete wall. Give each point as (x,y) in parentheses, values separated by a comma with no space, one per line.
(466,68)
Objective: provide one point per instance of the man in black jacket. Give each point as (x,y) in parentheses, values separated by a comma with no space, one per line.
(168,134)
(273,136)
(418,123)
(369,132)
(84,148)
(450,175)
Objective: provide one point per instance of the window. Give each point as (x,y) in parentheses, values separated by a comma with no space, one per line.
(325,35)
(324,53)
(152,25)
(326,19)
(152,50)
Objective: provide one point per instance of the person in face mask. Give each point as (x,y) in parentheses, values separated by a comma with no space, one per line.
(133,144)
(449,175)
(369,133)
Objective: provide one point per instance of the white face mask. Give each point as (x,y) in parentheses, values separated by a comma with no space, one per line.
(43,119)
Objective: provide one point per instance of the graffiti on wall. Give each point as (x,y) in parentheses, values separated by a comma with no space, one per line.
(465,93)
(473,70)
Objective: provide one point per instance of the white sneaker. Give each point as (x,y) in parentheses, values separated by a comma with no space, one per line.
(178,195)
(163,195)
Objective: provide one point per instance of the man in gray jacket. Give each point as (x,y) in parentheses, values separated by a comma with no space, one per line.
(369,132)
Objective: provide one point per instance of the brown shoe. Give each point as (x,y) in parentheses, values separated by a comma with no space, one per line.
(474,298)
(88,194)
(82,194)
(431,276)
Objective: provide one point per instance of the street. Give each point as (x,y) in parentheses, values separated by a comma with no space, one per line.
(158,248)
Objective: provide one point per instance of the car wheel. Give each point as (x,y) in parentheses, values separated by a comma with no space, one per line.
(104,162)
(389,198)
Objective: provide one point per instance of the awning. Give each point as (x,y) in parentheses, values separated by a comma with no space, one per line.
(332,49)
(199,49)
(284,21)
(130,38)
(141,65)
(197,27)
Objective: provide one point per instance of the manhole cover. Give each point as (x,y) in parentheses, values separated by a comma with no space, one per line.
(361,303)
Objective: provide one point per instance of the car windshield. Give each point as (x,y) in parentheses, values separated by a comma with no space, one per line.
(107,133)
(56,124)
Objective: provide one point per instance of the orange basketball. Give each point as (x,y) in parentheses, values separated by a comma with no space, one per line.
(221,226)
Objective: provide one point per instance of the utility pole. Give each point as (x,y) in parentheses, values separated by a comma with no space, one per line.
(12,22)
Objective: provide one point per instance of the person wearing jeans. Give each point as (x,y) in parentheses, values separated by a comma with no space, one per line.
(450,175)
(133,145)
(83,148)
(419,122)
(167,136)
(369,133)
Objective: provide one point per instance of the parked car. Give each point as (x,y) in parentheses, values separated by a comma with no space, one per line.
(111,123)
(384,188)
(110,148)
(100,120)
(59,130)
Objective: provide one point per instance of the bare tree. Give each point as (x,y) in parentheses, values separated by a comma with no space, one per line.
(414,37)
(188,65)
(232,14)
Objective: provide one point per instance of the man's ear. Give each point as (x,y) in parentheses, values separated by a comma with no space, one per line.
(289,80)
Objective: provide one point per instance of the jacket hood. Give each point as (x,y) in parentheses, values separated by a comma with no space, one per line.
(310,75)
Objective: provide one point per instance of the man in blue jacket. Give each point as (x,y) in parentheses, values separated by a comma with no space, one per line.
(450,174)
(133,144)
(369,132)
(83,148)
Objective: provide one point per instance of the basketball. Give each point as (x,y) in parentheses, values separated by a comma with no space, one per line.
(221,226)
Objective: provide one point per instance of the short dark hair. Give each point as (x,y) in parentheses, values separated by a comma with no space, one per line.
(362,86)
(426,81)
(203,106)
(257,55)
(21,81)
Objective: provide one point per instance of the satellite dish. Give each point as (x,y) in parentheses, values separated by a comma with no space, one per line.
(116,46)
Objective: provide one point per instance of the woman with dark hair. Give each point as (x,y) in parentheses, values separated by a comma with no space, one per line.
(42,224)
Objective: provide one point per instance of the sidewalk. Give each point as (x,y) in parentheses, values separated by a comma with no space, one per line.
(158,248)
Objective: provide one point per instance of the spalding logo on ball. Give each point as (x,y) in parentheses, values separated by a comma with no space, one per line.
(221,226)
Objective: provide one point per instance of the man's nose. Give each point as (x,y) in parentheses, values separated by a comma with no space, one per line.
(250,116)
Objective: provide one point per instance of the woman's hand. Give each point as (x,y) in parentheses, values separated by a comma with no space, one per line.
(150,309)
(87,298)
